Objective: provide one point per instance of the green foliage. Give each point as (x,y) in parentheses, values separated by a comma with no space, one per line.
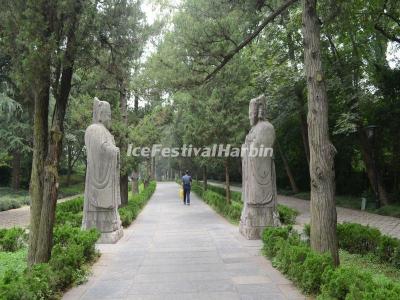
(295,258)
(130,211)
(314,273)
(12,239)
(73,250)
(271,236)
(287,215)
(215,197)
(13,260)
(357,238)
(351,283)
(369,262)
(231,211)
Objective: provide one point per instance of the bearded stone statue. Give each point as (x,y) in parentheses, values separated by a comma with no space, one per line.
(102,191)
(258,174)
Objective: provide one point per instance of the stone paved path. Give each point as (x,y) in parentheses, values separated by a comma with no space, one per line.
(178,252)
(388,225)
(19,217)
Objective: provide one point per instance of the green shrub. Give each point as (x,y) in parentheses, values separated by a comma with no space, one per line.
(307,230)
(356,238)
(310,275)
(35,283)
(67,235)
(215,197)
(235,196)
(130,211)
(387,250)
(345,283)
(126,216)
(12,239)
(71,206)
(270,237)
(351,283)
(287,215)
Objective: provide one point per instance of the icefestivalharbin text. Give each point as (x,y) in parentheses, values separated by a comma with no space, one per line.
(215,150)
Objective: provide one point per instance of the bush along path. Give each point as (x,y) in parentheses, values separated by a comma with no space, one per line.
(215,197)
(386,224)
(314,273)
(73,252)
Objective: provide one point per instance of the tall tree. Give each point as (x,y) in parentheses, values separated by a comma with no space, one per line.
(323,208)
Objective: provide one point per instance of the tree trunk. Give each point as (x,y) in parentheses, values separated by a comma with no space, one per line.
(153,168)
(69,162)
(16,170)
(40,143)
(205,177)
(323,210)
(135,183)
(148,173)
(227,183)
(136,103)
(123,180)
(293,184)
(376,183)
(44,230)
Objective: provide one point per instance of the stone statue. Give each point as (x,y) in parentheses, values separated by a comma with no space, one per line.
(102,191)
(258,175)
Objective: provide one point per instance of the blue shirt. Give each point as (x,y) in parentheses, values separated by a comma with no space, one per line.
(186,179)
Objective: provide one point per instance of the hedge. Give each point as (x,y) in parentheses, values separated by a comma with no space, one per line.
(129,212)
(360,239)
(215,197)
(314,273)
(73,249)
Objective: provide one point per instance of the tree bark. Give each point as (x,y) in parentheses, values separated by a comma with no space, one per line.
(44,230)
(227,183)
(16,170)
(40,143)
(303,123)
(205,177)
(134,182)
(292,181)
(123,180)
(323,210)
(69,162)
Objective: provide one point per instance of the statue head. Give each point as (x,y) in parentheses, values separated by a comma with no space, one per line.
(101,112)
(257,110)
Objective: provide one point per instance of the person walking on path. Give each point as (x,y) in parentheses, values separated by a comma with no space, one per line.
(186,184)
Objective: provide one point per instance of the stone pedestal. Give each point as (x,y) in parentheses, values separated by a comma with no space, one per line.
(255,219)
(111,237)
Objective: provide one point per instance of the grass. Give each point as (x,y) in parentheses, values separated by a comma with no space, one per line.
(369,262)
(13,260)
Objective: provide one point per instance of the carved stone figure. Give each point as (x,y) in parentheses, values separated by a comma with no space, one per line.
(258,174)
(102,191)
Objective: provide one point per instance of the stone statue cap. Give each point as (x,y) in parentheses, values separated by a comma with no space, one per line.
(259,105)
(101,111)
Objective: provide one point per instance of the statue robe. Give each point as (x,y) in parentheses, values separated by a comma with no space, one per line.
(259,183)
(102,189)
